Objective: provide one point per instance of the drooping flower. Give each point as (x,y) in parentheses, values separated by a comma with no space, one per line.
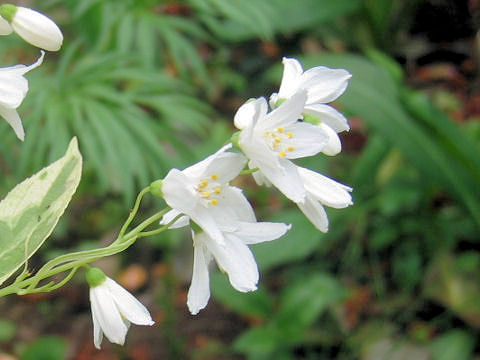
(33,27)
(234,258)
(13,88)
(323,85)
(322,190)
(271,139)
(113,309)
(202,191)
(226,219)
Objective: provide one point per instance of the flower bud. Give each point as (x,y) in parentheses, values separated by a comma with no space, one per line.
(5,28)
(33,27)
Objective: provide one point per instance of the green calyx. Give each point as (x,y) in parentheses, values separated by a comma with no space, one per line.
(156,188)
(312,119)
(7,11)
(235,140)
(95,277)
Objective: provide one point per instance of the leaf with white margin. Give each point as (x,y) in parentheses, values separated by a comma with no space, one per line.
(31,210)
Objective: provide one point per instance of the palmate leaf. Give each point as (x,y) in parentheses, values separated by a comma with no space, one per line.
(30,211)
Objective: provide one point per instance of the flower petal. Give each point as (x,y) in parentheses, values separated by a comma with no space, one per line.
(236,259)
(258,232)
(308,140)
(199,291)
(226,166)
(5,28)
(179,192)
(132,309)
(108,315)
(315,213)
(172,214)
(292,70)
(334,145)
(326,190)
(324,84)
(328,115)
(37,29)
(14,120)
(97,330)
(249,113)
(287,113)
(285,179)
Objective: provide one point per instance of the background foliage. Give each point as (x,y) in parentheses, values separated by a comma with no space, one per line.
(149,85)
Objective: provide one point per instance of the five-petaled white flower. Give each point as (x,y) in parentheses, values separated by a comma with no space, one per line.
(13,88)
(202,192)
(270,140)
(113,309)
(32,26)
(323,85)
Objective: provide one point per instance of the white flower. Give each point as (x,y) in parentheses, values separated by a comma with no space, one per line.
(234,258)
(33,27)
(13,88)
(202,192)
(113,309)
(269,140)
(323,85)
(322,190)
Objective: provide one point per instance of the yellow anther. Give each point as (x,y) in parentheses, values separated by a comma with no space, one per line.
(278,139)
(282,154)
(203,184)
(280,129)
(206,194)
(214,202)
(218,190)
(291,148)
(289,135)
(214,177)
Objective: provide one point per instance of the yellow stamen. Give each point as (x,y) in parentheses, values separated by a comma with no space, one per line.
(282,154)
(277,139)
(214,202)
(291,148)
(280,129)
(214,177)
(206,194)
(289,135)
(203,184)
(218,190)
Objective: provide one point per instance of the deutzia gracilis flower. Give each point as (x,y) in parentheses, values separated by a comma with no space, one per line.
(202,192)
(323,85)
(113,309)
(322,190)
(234,258)
(33,27)
(13,88)
(269,140)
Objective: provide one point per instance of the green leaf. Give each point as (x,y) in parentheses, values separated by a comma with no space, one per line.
(455,344)
(29,212)
(46,348)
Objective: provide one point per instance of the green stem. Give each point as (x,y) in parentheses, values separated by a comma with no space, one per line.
(25,285)
(134,211)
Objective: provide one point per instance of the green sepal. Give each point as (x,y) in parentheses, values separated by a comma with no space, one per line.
(156,188)
(312,119)
(8,11)
(95,277)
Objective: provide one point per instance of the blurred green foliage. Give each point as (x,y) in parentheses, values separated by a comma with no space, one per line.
(149,85)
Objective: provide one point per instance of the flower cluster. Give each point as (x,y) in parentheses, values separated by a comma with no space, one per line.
(298,124)
(36,29)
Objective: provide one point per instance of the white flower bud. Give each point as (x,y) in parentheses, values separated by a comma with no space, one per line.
(5,28)
(33,27)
